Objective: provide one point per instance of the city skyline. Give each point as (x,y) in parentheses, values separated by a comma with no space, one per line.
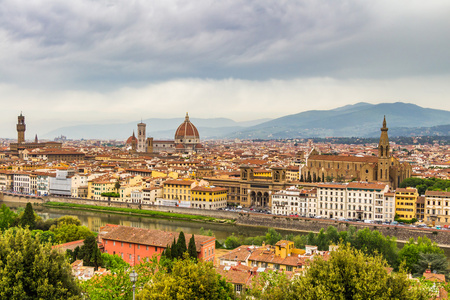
(84,63)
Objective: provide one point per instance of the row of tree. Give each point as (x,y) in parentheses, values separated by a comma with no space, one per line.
(424,184)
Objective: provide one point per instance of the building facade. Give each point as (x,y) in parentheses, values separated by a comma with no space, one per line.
(405,203)
(437,208)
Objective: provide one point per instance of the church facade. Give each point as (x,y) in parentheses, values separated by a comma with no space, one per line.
(383,168)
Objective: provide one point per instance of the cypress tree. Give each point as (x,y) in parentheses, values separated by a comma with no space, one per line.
(181,244)
(28,217)
(192,250)
(174,249)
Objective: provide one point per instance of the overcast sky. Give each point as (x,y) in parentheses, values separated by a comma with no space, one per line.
(78,62)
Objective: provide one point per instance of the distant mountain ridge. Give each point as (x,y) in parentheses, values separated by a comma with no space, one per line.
(358,120)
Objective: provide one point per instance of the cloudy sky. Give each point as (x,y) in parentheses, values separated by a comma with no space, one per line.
(79,62)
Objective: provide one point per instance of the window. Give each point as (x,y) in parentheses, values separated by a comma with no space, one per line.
(156,249)
(121,244)
(129,256)
(289,268)
(114,243)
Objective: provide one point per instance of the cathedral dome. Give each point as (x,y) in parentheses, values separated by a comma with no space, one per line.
(132,139)
(187,132)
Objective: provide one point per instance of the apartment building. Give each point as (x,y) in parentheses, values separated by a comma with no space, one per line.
(22,183)
(294,201)
(332,200)
(437,208)
(208,197)
(405,202)
(178,189)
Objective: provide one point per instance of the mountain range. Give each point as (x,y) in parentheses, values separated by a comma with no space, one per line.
(358,120)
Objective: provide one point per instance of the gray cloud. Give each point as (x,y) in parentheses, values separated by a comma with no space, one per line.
(96,43)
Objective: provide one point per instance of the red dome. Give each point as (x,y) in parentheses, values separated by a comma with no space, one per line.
(186,130)
(131,139)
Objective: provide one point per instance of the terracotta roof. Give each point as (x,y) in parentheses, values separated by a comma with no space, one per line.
(209,189)
(437,193)
(186,129)
(367,159)
(180,182)
(366,185)
(151,237)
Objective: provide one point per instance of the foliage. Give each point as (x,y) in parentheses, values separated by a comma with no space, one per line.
(32,270)
(272,236)
(129,210)
(271,285)
(208,232)
(117,285)
(68,220)
(113,262)
(44,236)
(351,274)
(110,194)
(424,184)
(28,218)
(187,280)
(181,244)
(69,233)
(192,249)
(435,261)
(7,217)
(410,253)
(46,225)
(232,242)
(89,252)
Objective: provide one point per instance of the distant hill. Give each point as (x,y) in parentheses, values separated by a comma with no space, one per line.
(359,120)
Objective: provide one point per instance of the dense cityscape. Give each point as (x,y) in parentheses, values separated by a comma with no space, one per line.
(377,184)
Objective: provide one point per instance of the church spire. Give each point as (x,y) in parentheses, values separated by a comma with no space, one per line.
(384,123)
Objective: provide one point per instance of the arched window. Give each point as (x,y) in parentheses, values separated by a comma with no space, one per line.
(381,174)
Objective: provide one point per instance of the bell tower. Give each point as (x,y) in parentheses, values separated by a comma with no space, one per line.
(21,129)
(141,146)
(383,155)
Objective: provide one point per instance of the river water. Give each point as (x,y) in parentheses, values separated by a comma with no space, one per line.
(94,220)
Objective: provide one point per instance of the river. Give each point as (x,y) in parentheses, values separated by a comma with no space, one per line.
(94,220)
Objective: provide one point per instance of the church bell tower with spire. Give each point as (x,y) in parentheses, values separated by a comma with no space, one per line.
(383,154)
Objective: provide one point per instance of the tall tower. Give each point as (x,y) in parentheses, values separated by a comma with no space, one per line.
(141,146)
(383,154)
(21,129)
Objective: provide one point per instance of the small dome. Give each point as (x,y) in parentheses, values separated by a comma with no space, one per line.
(186,130)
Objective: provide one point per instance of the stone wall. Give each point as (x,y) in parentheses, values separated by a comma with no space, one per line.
(402,233)
(6,197)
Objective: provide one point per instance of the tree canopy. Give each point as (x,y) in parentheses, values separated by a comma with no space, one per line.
(30,269)
(28,218)
(188,279)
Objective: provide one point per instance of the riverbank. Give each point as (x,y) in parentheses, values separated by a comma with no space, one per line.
(136,212)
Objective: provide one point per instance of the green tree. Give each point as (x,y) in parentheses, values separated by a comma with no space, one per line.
(117,286)
(435,261)
(272,236)
(68,220)
(69,233)
(271,285)
(351,274)
(7,217)
(192,249)
(174,250)
(410,253)
(28,218)
(32,270)
(89,252)
(181,244)
(187,280)
(232,242)
(117,185)
(114,262)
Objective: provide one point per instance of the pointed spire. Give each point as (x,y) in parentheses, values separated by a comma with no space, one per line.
(187,117)
(36,139)
(384,122)
(133,134)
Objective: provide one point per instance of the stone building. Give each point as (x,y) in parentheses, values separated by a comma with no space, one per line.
(250,190)
(382,168)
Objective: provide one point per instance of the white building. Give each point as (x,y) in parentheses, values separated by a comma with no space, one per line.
(61,184)
(389,206)
(293,201)
(21,183)
(150,194)
(354,200)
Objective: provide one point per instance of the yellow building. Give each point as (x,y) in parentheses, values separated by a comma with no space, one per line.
(282,256)
(262,173)
(208,197)
(98,186)
(178,189)
(405,203)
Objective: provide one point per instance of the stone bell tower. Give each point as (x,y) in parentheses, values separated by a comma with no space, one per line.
(21,129)
(383,155)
